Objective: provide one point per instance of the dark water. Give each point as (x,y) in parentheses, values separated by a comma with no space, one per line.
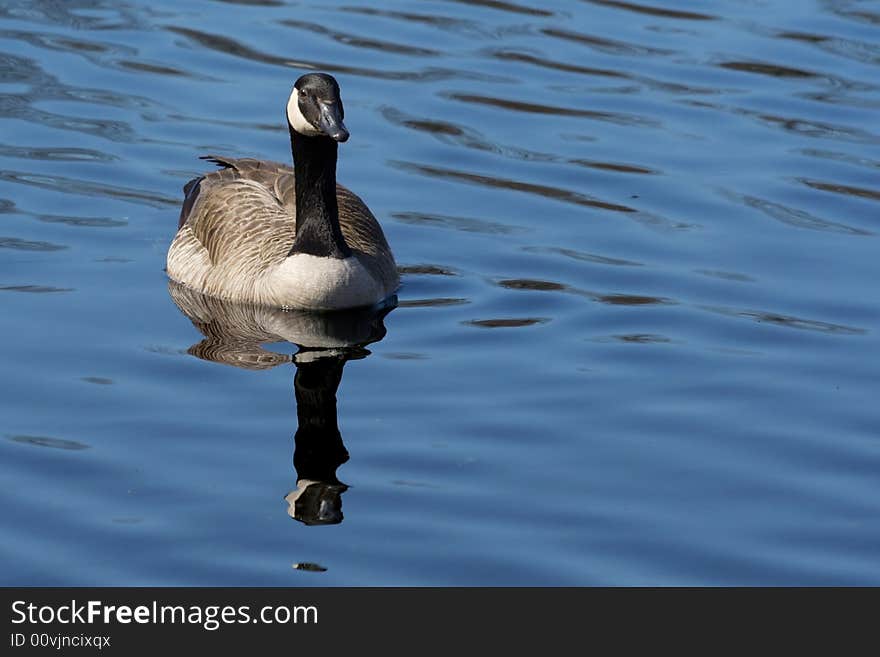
(637,336)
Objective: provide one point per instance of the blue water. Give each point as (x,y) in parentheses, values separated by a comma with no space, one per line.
(636,342)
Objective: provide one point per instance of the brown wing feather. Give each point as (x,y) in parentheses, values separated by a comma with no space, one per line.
(364,235)
(238,217)
(242,220)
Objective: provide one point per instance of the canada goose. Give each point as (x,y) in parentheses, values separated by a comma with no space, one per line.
(266,233)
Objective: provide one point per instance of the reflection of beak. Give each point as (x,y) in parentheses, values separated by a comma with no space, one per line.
(316,502)
(330,121)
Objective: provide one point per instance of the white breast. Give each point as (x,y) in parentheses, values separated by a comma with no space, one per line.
(307,281)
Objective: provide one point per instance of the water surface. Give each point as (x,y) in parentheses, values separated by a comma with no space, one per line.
(636,341)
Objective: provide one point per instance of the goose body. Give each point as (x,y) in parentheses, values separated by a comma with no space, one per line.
(267,233)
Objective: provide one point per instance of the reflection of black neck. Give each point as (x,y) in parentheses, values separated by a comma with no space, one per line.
(317,211)
(319,447)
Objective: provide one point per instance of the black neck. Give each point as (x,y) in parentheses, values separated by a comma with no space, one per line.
(317,213)
(319,447)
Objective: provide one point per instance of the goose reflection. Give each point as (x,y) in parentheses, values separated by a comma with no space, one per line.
(234,335)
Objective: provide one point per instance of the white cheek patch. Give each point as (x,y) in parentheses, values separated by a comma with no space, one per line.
(296,119)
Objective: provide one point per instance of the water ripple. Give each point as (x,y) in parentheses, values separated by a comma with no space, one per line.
(509,322)
(654,11)
(632,300)
(773,70)
(614,299)
(452,133)
(47,441)
(547,191)
(56,154)
(86,222)
(795,216)
(14,106)
(636,338)
(531,284)
(848,190)
(28,245)
(796,125)
(616,167)
(105,54)
(580,255)
(787,321)
(860,15)
(447,23)
(426,270)
(88,188)
(604,45)
(141,66)
(234,48)
(463,224)
(849,158)
(856,50)
(362,42)
(725,275)
(35,289)
(506,6)
(97,380)
(512,55)
(70,14)
(537,108)
(432,302)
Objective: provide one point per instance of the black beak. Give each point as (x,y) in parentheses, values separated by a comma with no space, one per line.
(330,121)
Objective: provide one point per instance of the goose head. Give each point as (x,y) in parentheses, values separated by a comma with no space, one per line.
(315,107)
